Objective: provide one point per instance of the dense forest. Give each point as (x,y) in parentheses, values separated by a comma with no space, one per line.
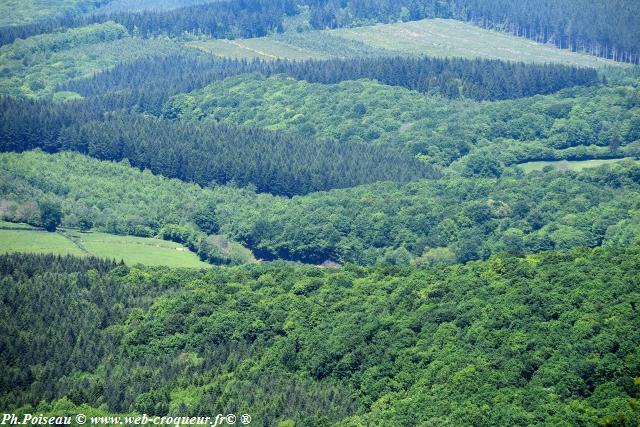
(548,339)
(353,227)
(446,220)
(452,78)
(577,124)
(204,153)
(210,154)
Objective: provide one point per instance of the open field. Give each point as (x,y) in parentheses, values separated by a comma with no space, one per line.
(6,225)
(433,37)
(36,241)
(133,250)
(310,45)
(446,37)
(568,165)
(261,48)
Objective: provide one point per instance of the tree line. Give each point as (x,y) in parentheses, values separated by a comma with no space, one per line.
(478,79)
(453,78)
(204,153)
(603,28)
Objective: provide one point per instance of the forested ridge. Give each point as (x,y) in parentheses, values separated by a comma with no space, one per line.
(205,153)
(451,78)
(448,220)
(548,339)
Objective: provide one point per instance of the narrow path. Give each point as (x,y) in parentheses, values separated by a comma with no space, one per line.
(76,242)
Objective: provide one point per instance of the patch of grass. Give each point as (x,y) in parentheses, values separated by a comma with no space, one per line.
(36,241)
(132,250)
(6,225)
(309,45)
(568,165)
(261,48)
(447,38)
(137,250)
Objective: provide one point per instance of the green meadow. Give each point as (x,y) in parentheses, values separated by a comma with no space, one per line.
(132,250)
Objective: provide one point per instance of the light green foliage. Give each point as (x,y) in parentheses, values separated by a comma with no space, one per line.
(548,340)
(222,249)
(351,111)
(117,198)
(578,123)
(215,249)
(17,12)
(35,66)
(426,222)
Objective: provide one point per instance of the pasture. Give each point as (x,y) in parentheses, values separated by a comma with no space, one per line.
(132,250)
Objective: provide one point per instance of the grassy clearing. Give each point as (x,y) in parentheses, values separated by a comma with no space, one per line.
(433,37)
(252,48)
(137,250)
(133,250)
(446,37)
(568,165)
(300,46)
(36,241)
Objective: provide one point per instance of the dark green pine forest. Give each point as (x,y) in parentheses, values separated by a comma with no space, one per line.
(321,213)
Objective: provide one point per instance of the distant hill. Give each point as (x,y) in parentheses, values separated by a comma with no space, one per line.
(433,37)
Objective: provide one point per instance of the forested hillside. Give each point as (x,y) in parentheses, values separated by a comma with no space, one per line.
(448,220)
(549,339)
(204,153)
(578,124)
(34,67)
(321,213)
